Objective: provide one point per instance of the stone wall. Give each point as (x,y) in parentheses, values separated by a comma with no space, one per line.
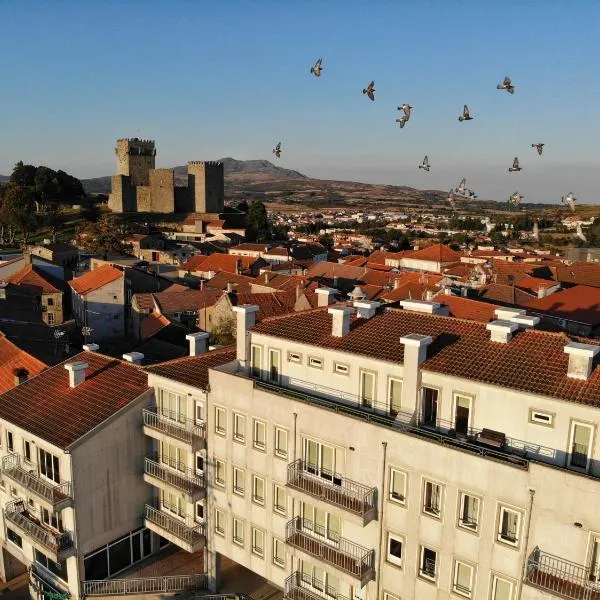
(206,186)
(162,190)
(135,158)
(144,203)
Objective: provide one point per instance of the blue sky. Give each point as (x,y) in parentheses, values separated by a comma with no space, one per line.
(209,79)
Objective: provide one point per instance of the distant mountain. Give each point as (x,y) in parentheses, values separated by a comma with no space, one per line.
(4,178)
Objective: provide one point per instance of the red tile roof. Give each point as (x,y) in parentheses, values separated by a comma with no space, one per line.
(193,370)
(412,286)
(31,277)
(534,284)
(172,302)
(505,294)
(249,247)
(270,304)
(580,303)
(94,280)
(12,358)
(218,262)
(223,278)
(436,253)
(578,273)
(152,324)
(533,361)
(465,308)
(48,408)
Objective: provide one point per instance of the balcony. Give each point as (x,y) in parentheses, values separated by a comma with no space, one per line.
(561,577)
(299,586)
(168,426)
(53,496)
(165,473)
(333,489)
(59,545)
(355,560)
(184,532)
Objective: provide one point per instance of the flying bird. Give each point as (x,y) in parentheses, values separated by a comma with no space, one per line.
(506,85)
(317,68)
(515,166)
(425,164)
(277,150)
(402,121)
(471,195)
(535,232)
(370,91)
(580,233)
(515,199)
(538,147)
(461,187)
(466,115)
(451,199)
(406,108)
(570,200)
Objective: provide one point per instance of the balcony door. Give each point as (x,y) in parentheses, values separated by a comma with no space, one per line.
(595,558)
(462,414)
(581,442)
(173,406)
(322,460)
(429,408)
(367,388)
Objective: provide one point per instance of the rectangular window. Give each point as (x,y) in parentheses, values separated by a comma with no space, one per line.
(238,531)
(255,361)
(50,318)
(315,363)
(274,362)
(341,368)
(219,522)
(430,407)
(49,467)
(52,519)
(279,499)
(398,486)
(468,515)
(541,418)
(258,490)
(10,444)
(173,406)
(220,421)
(199,463)
(462,582)
(238,481)
(258,542)
(27,451)
(462,414)
(199,512)
(509,524)
(294,357)
(394,549)
(239,427)
(367,388)
(581,445)
(200,412)
(220,473)
(428,563)
(278,553)
(394,396)
(323,460)
(14,537)
(281,443)
(502,589)
(260,435)
(432,499)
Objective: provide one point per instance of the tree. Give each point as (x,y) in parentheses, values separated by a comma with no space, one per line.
(17,211)
(326,241)
(223,333)
(259,228)
(243,206)
(105,236)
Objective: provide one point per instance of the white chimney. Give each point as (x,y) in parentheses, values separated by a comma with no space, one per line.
(415,353)
(340,320)
(501,331)
(325,296)
(76,372)
(198,342)
(366,308)
(507,314)
(134,357)
(91,347)
(525,321)
(431,308)
(246,317)
(581,359)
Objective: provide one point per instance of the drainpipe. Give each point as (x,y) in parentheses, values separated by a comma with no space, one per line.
(293,495)
(526,542)
(381,541)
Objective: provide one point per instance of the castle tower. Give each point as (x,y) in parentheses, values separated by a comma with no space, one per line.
(135,159)
(206,186)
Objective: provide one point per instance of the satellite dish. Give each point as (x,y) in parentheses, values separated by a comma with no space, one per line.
(86,331)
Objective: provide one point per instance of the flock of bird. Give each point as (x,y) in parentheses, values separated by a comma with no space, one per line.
(461,190)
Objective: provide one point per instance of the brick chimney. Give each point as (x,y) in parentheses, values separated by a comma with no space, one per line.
(581,359)
(340,320)
(21,374)
(134,357)
(198,342)
(76,372)
(246,317)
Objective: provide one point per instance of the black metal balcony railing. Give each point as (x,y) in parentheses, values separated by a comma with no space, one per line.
(333,488)
(16,513)
(174,425)
(562,577)
(300,586)
(186,530)
(174,474)
(53,493)
(343,554)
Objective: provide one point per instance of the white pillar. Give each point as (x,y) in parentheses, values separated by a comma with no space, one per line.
(246,317)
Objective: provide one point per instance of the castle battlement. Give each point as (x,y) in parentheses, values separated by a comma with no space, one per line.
(136,140)
(206,163)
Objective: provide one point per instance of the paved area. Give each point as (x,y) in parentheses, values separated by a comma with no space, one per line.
(172,561)
(235,578)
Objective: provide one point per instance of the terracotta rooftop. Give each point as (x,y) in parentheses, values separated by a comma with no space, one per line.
(533,361)
(12,358)
(48,408)
(579,303)
(578,274)
(152,324)
(223,278)
(505,294)
(436,253)
(32,278)
(218,262)
(411,286)
(465,308)
(270,304)
(94,280)
(193,370)
(171,302)
(249,247)
(534,284)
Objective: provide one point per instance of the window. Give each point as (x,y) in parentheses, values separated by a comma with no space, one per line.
(260,435)
(319,522)
(173,406)
(219,522)
(238,481)
(200,412)
(58,569)
(278,553)
(274,361)
(430,407)
(462,414)
(27,451)
(468,515)
(294,357)
(50,301)
(173,503)
(173,456)
(220,421)
(432,499)
(397,486)
(14,537)
(238,531)
(508,526)
(258,542)
(581,445)
(462,581)
(502,589)
(321,460)
(279,499)
(199,463)
(394,396)
(48,465)
(255,361)
(199,512)
(220,474)
(428,563)
(367,388)
(541,418)
(341,368)
(239,427)
(258,490)
(50,316)
(316,363)
(10,444)
(281,443)
(388,596)
(394,549)
(52,519)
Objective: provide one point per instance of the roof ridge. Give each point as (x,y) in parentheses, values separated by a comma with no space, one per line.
(173,361)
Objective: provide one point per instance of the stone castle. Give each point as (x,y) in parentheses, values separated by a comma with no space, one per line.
(139,187)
